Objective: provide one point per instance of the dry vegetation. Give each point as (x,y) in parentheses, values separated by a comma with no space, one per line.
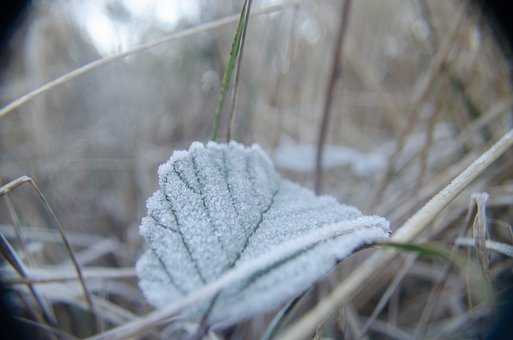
(419,86)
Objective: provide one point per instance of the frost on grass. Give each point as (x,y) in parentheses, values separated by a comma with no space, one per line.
(301,158)
(220,207)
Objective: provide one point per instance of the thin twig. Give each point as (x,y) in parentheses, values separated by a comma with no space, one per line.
(409,231)
(335,73)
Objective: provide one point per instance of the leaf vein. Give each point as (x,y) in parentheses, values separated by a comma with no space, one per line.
(182,237)
(257,226)
(184,180)
(205,206)
(168,273)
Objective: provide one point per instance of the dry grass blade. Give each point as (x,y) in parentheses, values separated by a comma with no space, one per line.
(353,322)
(17,229)
(15,218)
(280,317)
(25,179)
(479,230)
(389,291)
(499,247)
(12,258)
(54,332)
(407,232)
(141,48)
(12,185)
(113,312)
(96,251)
(448,327)
(53,276)
(390,331)
(330,91)
(505,225)
(50,236)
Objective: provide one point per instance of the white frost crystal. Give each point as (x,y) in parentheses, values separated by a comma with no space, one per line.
(220,206)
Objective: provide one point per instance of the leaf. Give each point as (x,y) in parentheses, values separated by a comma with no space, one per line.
(223,206)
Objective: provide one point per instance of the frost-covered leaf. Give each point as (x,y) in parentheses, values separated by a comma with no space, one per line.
(221,206)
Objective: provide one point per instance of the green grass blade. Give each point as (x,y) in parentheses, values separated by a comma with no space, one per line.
(228,72)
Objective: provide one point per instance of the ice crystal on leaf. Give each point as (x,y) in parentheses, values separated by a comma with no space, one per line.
(222,206)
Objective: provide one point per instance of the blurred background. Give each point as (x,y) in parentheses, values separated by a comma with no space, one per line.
(423,89)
